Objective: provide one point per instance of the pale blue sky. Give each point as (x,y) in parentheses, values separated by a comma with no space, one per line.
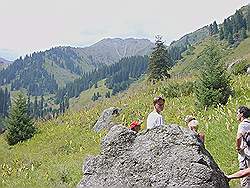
(36,25)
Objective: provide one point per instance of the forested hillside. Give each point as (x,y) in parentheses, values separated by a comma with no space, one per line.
(44,72)
(53,157)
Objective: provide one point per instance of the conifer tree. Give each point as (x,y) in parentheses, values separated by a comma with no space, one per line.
(213,86)
(248,18)
(230,38)
(243,34)
(215,28)
(160,61)
(19,124)
(29,105)
(221,33)
(41,107)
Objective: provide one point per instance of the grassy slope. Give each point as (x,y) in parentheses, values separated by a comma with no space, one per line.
(55,155)
(189,63)
(242,51)
(62,76)
(85,96)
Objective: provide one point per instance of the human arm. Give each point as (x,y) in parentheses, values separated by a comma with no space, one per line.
(202,137)
(239,174)
(238,142)
(239,138)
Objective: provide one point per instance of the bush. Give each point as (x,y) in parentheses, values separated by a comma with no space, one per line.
(175,89)
(241,67)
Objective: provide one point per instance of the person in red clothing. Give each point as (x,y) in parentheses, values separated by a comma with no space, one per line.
(135,126)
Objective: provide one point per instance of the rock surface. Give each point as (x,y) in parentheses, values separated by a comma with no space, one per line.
(170,156)
(105,120)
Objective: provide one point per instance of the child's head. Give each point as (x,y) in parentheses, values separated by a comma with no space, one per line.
(191,122)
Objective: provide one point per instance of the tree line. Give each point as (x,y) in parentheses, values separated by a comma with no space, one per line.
(126,69)
(233,29)
(4,102)
(29,73)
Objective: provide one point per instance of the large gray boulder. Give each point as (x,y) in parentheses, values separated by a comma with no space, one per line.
(170,156)
(105,120)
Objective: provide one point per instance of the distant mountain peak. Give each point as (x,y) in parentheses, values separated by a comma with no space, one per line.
(4,61)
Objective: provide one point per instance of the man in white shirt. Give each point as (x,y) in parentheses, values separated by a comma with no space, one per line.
(155,118)
(242,138)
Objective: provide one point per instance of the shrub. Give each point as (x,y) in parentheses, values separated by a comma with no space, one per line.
(175,89)
(241,67)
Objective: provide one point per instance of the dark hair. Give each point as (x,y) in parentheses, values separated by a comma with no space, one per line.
(156,99)
(245,111)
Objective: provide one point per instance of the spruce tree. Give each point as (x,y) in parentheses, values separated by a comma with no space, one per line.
(215,28)
(160,61)
(19,124)
(243,34)
(213,86)
(41,107)
(221,33)
(230,39)
(36,110)
(248,18)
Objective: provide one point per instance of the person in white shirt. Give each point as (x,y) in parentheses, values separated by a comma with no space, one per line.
(155,118)
(243,142)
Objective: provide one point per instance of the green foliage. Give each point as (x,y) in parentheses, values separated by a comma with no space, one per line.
(243,34)
(19,123)
(240,67)
(176,89)
(248,18)
(213,86)
(57,152)
(221,33)
(4,102)
(107,94)
(160,61)
(213,28)
(234,28)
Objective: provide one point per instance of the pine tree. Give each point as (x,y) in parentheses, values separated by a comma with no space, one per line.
(210,28)
(226,28)
(230,39)
(66,102)
(221,33)
(215,28)
(213,86)
(96,86)
(107,95)
(19,124)
(29,105)
(41,107)
(243,34)
(36,110)
(248,18)
(160,61)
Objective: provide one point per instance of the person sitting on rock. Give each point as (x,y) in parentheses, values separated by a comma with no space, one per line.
(192,124)
(135,126)
(155,118)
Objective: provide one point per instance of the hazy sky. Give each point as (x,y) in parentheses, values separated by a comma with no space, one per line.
(35,25)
